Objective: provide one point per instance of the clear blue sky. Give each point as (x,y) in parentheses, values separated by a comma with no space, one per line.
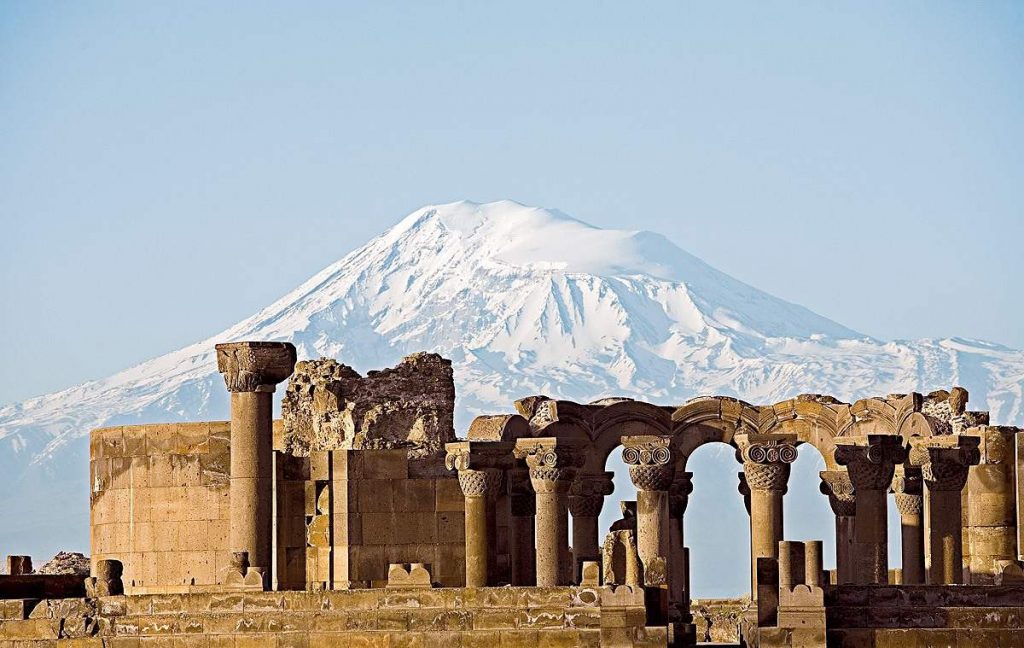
(168,168)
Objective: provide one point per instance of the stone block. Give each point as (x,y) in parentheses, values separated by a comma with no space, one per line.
(415,495)
(384,464)
(379,528)
(451,527)
(412,576)
(375,495)
(134,441)
(448,496)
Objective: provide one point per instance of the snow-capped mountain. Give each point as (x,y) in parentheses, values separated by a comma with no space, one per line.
(524,301)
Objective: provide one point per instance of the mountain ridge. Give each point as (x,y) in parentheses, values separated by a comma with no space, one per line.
(523,300)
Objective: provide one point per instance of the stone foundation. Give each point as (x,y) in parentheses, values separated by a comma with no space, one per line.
(385,618)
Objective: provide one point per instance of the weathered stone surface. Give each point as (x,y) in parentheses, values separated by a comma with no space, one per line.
(66,562)
(329,406)
(718,620)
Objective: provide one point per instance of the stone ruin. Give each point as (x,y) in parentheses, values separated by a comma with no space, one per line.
(359,519)
(329,406)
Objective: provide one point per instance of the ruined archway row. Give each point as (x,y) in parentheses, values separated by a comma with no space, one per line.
(809,418)
(863,444)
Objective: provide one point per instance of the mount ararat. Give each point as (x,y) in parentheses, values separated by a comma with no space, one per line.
(524,301)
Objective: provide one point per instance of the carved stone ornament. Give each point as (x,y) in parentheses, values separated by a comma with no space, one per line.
(871,463)
(553,463)
(255,366)
(480,465)
(650,462)
(587,493)
(837,486)
(944,462)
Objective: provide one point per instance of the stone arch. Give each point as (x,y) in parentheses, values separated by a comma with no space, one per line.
(813,419)
(707,420)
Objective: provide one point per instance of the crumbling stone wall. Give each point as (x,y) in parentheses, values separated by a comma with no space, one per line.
(329,406)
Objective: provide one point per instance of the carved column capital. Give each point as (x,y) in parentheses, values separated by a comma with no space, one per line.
(587,493)
(255,366)
(766,460)
(650,461)
(909,504)
(553,463)
(944,461)
(906,480)
(836,484)
(870,461)
(679,494)
(481,466)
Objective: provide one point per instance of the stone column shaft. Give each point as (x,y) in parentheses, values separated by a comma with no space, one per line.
(480,466)
(523,540)
(845,539)
(553,464)
(870,463)
(251,485)
(909,496)
(679,583)
(476,540)
(837,486)
(552,539)
(766,464)
(586,499)
(251,370)
(944,462)
(944,549)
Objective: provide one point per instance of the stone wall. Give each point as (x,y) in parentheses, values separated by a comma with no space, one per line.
(159,503)
(344,516)
(329,406)
(925,615)
(491,617)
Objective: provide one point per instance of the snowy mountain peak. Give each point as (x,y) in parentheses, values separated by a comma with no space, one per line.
(524,301)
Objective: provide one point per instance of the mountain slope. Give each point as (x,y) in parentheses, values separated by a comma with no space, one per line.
(524,301)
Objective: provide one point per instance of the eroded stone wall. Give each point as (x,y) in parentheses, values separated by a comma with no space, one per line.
(329,406)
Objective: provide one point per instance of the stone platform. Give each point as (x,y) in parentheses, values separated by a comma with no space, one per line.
(379,618)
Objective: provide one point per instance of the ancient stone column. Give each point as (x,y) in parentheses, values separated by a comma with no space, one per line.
(649,459)
(837,486)
(586,498)
(992,511)
(679,583)
(908,492)
(944,461)
(553,464)
(481,466)
(870,463)
(251,371)
(766,465)
(523,503)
